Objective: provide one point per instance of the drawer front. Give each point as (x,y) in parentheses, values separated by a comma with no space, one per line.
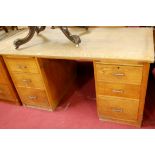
(120,90)
(118,108)
(5,93)
(25,65)
(33,97)
(28,80)
(119,74)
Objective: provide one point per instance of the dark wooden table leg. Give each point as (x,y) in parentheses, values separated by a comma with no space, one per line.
(14,27)
(32,29)
(19,42)
(5,29)
(40,28)
(74,38)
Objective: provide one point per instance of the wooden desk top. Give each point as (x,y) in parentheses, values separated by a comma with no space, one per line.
(97,44)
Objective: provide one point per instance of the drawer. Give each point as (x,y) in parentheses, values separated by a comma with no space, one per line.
(26,65)
(28,80)
(119,74)
(118,89)
(5,93)
(33,97)
(118,108)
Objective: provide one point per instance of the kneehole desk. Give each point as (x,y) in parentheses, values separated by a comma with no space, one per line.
(43,70)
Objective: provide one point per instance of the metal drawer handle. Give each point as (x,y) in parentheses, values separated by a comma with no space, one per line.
(119,74)
(27,80)
(117,110)
(32,97)
(118,91)
(22,67)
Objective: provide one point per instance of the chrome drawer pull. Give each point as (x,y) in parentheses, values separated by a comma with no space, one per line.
(117,91)
(117,110)
(27,80)
(119,74)
(32,97)
(22,67)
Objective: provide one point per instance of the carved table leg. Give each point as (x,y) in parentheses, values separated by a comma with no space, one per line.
(18,42)
(5,29)
(32,29)
(39,29)
(74,38)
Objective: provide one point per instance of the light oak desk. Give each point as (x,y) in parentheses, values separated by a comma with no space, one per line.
(43,69)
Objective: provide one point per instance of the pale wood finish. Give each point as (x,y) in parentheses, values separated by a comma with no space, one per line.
(118,108)
(33,97)
(28,80)
(5,93)
(7,89)
(135,44)
(115,106)
(117,61)
(22,65)
(121,59)
(143,92)
(119,73)
(3,76)
(45,80)
(120,90)
(26,68)
(58,76)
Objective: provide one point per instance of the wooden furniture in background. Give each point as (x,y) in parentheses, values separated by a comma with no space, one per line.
(5,28)
(32,29)
(7,89)
(121,58)
(40,82)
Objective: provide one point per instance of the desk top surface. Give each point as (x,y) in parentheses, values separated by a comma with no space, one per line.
(134,44)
